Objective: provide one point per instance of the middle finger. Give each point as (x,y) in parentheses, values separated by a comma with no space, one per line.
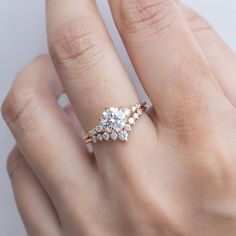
(86,60)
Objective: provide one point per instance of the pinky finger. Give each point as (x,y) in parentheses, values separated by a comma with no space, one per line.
(34,205)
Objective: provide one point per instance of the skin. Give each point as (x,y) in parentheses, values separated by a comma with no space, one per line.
(176,174)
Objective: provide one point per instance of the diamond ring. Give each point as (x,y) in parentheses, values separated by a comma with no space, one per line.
(115,123)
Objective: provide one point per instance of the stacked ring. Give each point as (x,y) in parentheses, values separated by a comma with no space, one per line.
(115,123)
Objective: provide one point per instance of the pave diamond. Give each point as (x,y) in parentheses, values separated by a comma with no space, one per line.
(123,136)
(94,139)
(140,112)
(99,128)
(131,120)
(114,136)
(135,116)
(106,136)
(99,137)
(127,128)
(113,119)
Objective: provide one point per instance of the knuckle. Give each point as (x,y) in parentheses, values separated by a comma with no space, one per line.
(24,94)
(77,41)
(19,103)
(148,17)
(15,162)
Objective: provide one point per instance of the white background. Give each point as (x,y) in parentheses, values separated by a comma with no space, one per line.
(22,37)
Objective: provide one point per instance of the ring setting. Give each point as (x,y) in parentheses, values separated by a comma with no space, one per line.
(115,124)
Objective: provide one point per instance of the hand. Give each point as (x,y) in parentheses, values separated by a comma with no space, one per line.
(175,175)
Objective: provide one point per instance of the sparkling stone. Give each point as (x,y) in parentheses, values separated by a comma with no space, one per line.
(123,136)
(106,136)
(99,128)
(94,139)
(134,109)
(140,112)
(113,119)
(131,120)
(127,128)
(135,115)
(127,112)
(92,132)
(114,136)
(99,137)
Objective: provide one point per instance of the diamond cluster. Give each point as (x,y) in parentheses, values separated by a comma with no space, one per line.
(115,124)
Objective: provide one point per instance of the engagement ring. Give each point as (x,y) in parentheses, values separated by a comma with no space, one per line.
(115,123)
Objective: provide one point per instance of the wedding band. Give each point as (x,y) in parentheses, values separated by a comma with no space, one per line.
(115,124)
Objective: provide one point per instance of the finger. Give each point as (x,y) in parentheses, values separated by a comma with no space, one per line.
(85,58)
(169,62)
(221,58)
(35,207)
(47,140)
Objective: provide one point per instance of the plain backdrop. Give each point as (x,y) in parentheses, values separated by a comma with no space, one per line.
(22,37)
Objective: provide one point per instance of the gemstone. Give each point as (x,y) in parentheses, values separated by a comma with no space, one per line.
(140,112)
(123,136)
(131,120)
(114,136)
(127,128)
(135,115)
(92,132)
(113,119)
(106,136)
(94,139)
(99,137)
(99,128)
(134,109)
(127,112)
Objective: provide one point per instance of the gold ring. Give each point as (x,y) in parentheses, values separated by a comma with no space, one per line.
(115,123)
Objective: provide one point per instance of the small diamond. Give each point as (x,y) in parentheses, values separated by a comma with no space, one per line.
(131,120)
(140,112)
(94,139)
(92,132)
(99,128)
(134,109)
(127,128)
(106,136)
(127,112)
(135,116)
(123,136)
(99,137)
(114,136)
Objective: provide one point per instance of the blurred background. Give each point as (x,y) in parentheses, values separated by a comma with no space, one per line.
(23,37)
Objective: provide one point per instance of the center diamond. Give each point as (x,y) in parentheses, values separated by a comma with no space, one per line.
(113,119)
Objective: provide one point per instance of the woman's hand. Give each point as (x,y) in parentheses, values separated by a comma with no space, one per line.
(175,175)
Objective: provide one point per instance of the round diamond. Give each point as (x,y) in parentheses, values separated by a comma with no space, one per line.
(113,119)
(127,112)
(135,116)
(127,128)
(92,132)
(114,136)
(134,108)
(140,112)
(99,137)
(106,136)
(123,136)
(131,120)
(99,128)
(94,139)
